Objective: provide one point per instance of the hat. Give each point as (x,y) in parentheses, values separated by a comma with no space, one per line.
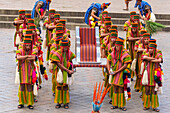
(142,32)
(114,27)
(64,43)
(56,16)
(106,5)
(113,35)
(21,12)
(51,11)
(27,16)
(136,17)
(28,31)
(119,41)
(107,18)
(134,25)
(30,21)
(59,24)
(32,27)
(59,36)
(146,35)
(63,22)
(112,30)
(132,13)
(152,41)
(59,28)
(27,39)
(152,45)
(105,13)
(107,23)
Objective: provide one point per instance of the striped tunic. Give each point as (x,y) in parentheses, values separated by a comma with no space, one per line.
(152,66)
(25,67)
(117,64)
(64,59)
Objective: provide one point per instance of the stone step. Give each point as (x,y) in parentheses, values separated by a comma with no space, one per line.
(81,19)
(81,14)
(71,26)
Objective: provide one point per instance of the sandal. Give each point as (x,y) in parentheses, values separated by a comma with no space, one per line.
(20,106)
(110,102)
(30,107)
(39,87)
(114,107)
(141,96)
(136,90)
(66,106)
(156,109)
(35,100)
(145,108)
(123,108)
(58,106)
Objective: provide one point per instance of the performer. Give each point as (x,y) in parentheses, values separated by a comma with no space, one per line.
(17,22)
(102,16)
(127,5)
(24,26)
(66,31)
(152,59)
(117,62)
(145,9)
(105,30)
(133,36)
(62,59)
(106,45)
(51,26)
(48,21)
(26,57)
(93,12)
(136,20)
(140,46)
(107,50)
(54,47)
(128,25)
(40,7)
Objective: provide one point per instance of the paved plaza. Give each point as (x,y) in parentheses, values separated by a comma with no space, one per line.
(85,78)
(81,90)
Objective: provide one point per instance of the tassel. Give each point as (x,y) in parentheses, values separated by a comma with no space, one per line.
(18,41)
(17,81)
(126,95)
(60,76)
(133,66)
(110,79)
(145,78)
(44,43)
(142,68)
(35,90)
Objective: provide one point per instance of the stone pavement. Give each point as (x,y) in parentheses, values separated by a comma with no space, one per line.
(159,6)
(81,90)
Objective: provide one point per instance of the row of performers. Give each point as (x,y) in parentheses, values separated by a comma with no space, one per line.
(29,56)
(120,70)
